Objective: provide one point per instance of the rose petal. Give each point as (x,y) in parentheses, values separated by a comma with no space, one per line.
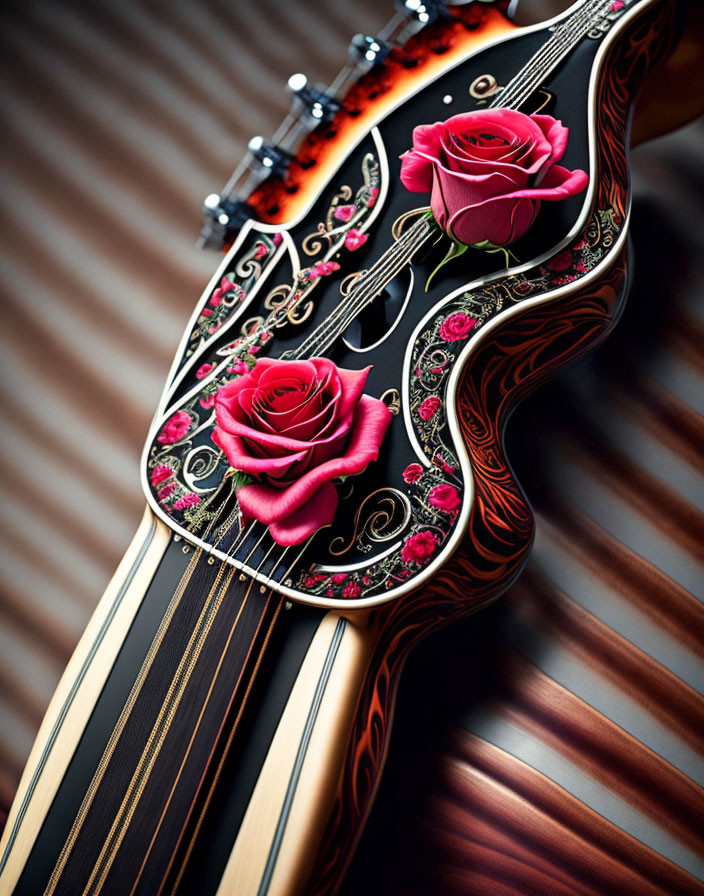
(269,504)
(416,172)
(317,512)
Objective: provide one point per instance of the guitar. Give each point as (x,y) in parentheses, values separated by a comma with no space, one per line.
(193,576)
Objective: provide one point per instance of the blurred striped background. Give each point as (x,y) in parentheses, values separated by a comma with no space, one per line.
(556,740)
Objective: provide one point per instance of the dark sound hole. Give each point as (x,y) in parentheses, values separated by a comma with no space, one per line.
(375,321)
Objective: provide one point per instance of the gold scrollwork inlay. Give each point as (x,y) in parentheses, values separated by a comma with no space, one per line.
(381,516)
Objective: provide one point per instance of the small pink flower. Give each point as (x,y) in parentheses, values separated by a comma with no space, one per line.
(175,428)
(208,402)
(355,238)
(457,326)
(220,292)
(238,367)
(203,371)
(617,6)
(429,407)
(352,590)
(309,582)
(188,500)
(344,212)
(445,497)
(419,547)
(366,580)
(339,577)
(214,328)
(323,268)
(373,194)
(561,262)
(276,239)
(206,312)
(331,593)
(166,490)
(440,461)
(161,473)
(261,251)
(253,349)
(412,473)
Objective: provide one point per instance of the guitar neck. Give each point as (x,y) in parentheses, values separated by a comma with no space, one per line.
(211,743)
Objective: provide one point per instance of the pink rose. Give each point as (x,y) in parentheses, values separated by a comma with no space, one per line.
(297,425)
(412,473)
(418,548)
(339,577)
(261,251)
(355,238)
(456,326)
(190,499)
(238,367)
(203,371)
(429,407)
(351,590)
(166,490)
(561,262)
(220,293)
(208,402)
(488,171)
(175,428)
(344,212)
(161,473)
(445,497)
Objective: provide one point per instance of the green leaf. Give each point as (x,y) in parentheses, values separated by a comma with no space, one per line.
(455,250)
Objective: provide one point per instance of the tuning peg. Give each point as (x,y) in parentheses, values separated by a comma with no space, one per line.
(223,218)
(420,12)
(366,52)
(310,102)
(271,158)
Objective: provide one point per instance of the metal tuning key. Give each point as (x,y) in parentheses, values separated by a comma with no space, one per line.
(367,52)
(311,105)
(222,218)
(271,158)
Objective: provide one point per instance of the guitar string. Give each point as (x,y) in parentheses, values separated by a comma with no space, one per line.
(551,50)
(372,277)
(541,64)
(273,320)
(319,338)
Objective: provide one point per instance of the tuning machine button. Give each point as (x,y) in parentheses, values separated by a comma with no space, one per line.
(271,158)
(366,52)
(421,12)
(311,104)
(223,218)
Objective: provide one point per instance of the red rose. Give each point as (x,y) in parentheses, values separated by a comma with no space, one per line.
(487,172)
(456,326)
(352,590)
(445,497)
(418,548)
(161,473)
(190,499)
(355,238)
(429,407)
(561,262)
(203,371)
(412,473)
(175,428)
(297,425)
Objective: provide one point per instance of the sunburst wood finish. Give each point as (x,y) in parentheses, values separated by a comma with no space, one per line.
(366,649)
